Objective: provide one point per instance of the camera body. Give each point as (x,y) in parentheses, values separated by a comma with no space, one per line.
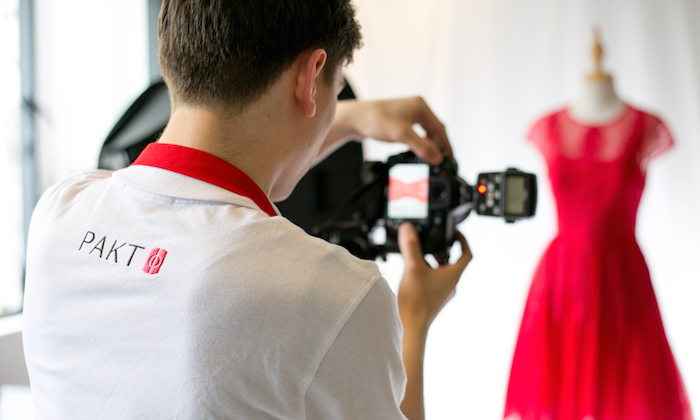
(433,198)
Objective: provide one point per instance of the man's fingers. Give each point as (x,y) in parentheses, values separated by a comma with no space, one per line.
(466,257)
(434,129)
(455,270)
(409,245)
(424,148)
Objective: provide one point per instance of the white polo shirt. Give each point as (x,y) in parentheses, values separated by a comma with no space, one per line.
(172,290)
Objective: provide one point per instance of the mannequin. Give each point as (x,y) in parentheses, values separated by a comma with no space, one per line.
(597,103)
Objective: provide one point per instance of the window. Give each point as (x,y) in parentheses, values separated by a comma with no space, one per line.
(11,220)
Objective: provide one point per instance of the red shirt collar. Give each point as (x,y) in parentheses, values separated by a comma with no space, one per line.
(204,167)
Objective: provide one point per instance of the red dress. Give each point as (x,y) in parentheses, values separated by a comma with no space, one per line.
(592,344)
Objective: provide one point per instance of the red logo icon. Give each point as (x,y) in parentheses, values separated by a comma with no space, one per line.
(155,260)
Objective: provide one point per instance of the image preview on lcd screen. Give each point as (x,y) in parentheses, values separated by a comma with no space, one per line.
(408,191)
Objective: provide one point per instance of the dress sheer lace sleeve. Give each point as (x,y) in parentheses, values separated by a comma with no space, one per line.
(540,136)
(657,139)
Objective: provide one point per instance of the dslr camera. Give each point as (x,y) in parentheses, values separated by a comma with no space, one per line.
(433,198)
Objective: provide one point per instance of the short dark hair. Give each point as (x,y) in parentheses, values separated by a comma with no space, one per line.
(228,52)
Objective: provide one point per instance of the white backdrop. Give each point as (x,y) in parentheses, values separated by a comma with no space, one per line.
(489,68)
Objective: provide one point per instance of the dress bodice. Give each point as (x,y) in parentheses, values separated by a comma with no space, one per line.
(597,172)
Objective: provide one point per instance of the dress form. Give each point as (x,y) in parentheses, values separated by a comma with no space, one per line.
(597,102)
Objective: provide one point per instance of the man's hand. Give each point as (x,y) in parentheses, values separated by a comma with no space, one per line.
(390,121)
(423,292)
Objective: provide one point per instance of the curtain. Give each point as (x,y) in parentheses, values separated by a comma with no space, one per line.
(489,69)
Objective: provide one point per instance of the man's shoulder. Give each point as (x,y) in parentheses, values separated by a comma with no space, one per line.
(272,257)
(76,182)
(63,192)
(311,248)
(279,246)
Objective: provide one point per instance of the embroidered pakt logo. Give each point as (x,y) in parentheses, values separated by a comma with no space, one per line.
(155,260)
(113,254)
(122,252)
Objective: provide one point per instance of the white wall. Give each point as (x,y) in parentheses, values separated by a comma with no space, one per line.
(489,68)
(92,62)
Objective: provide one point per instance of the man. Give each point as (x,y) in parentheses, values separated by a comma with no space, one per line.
(172,289)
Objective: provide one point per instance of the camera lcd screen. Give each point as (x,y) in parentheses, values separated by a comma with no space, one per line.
(515,191)
(408,191)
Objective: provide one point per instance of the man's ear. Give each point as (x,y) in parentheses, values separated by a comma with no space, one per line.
(307,80)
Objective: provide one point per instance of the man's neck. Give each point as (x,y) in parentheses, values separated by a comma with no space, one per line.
(248,141)
(276,138)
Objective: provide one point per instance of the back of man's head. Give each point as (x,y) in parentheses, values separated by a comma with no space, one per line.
(225,53)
